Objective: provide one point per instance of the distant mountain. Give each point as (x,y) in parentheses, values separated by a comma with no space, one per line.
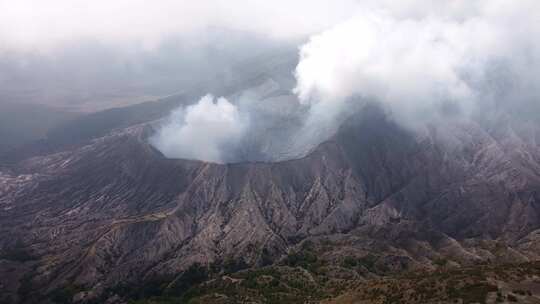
(21,123)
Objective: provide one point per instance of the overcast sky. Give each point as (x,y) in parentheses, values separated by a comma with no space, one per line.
(90,55)
(33,25)
(42,25)
(68,52)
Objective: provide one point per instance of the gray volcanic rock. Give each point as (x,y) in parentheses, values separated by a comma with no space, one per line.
(114,211)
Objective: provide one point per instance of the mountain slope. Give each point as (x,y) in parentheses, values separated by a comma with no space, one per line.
(115,211)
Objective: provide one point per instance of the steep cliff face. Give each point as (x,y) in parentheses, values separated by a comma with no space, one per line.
(114,210)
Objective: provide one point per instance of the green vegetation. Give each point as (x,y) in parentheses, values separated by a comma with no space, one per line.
(511,298)
(304,276)
(440,262)
(473,293)
(65,294)
(194,275)
(17,253)
(164,290)
(368,262)
(305,258)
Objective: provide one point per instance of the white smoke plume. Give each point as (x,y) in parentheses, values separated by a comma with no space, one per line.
(425,66)
(205,131)
(423,62)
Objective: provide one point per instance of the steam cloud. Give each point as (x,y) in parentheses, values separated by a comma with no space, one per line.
(202,131)
(426,68)
(423,64)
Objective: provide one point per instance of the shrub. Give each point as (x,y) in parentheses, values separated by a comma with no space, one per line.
(194,275)
(511,298)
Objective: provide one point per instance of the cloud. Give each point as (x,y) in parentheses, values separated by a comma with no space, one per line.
(204,131)
(92,55)
(424,65)
(33,25)
(423,60)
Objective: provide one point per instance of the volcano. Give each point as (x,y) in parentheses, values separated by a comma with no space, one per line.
(96,214)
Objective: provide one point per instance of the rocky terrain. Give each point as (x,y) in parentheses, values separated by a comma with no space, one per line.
(108,219)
